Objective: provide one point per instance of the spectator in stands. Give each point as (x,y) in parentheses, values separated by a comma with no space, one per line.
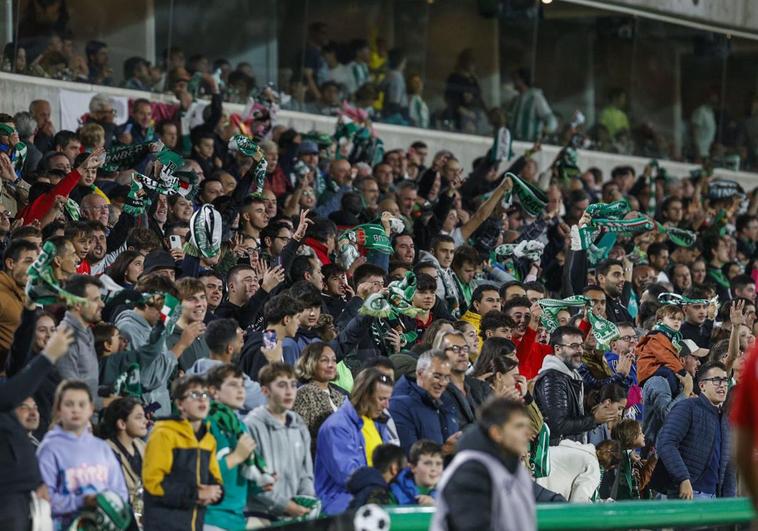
(559,390)
(100,72)
(194,305)
(136,74)
(138,128)
(347,439)
(318,397)
(420,409)
(698,471)
(181,473)
(75,465)
(284,443)
(532,115)
(395,93)
(371,484)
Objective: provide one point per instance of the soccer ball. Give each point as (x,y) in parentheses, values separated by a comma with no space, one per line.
(371,517)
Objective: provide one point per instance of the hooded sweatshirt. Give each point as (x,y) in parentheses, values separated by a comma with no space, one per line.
(253,394)
(133,327)
(286,448)
(80,362)
(73,467)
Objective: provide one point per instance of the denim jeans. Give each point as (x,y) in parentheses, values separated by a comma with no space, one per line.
(697,495)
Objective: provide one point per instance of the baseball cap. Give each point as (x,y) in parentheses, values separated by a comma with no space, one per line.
(307,147)
(690,348)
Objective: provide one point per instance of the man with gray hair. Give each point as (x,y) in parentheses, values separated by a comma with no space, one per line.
(44,132)
(102,113)
(465,393)
(421,410)
(25,126)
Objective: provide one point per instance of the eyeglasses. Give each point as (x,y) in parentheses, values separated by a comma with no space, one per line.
(458,350)
(573,346)
(198,395)
(717,381)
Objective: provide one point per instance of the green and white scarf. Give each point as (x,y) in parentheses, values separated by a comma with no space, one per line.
(603,330)
(42,287)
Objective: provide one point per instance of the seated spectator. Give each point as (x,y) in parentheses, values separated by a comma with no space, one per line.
(347,439)
(283,441)
(415,485)
(180,472)
(421,410)
(371,484)
(75,465)
(318,397)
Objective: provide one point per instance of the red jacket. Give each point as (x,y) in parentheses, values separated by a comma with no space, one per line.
(530,353)
(45,202)
(320,249)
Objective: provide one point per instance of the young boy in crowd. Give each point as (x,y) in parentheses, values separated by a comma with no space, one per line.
(371,484)
(658,351)
(75,465)
(284,443)
(415,485)
(234,445)
(180,474)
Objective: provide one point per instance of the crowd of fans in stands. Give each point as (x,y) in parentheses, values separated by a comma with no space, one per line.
(280,392)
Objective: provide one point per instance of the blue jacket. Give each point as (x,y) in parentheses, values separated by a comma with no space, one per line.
(405,490)
(418,416)
(340,451)
(685,443)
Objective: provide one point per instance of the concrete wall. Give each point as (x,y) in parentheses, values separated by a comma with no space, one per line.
(16,92)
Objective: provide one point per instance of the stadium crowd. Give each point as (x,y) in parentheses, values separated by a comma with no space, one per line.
(381,80)
(202,330)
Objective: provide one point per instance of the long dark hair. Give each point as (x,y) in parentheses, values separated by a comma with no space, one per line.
(119,409)
(493,351)
(117,270)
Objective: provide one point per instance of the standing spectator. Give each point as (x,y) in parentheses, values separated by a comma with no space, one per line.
(45,130)
(139,127)
(124,428)
(559,390)
(463,95)
(419,409)
(224,340)
(347,439)
(532,116)
(484,300)
(80,363)
(743,421)
(284,443)
(489,455)
(417,108)
(696,325)
(194,305)
(17,258)
(234,446)
(180,472)
(101,112)
(75,465)
(703,126)
(318,397)
(395,93)
(693,445)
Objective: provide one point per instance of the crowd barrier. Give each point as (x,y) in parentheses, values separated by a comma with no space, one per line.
(567,517)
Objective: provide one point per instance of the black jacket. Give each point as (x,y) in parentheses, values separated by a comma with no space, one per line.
(701,335)
(18,459)
(559,398)
(245,315)
(368,486)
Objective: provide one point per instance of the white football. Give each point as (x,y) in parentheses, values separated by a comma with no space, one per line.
(371,517)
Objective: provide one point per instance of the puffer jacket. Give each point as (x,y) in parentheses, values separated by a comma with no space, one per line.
(685,444)
(655,350)
(559,393)
(175,463)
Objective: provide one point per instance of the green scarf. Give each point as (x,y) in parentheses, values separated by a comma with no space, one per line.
(124,157)
(603,330)
(680,237)
(231,426)
(532,199)
(681,300)
(674,336)
(42,287)
(719,277)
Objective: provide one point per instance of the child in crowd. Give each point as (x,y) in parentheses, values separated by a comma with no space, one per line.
(124,426)
(658,351)
(608,457)
(234,445)
(371,484)
(181,474)
(285,444)
(415,485)
(75,465)
(634,473)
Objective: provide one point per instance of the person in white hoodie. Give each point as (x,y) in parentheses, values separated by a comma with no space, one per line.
(224,339)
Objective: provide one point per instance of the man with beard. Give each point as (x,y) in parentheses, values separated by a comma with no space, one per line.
(97,248)
(17,258)
(615,279)
(559,390)
(696,325)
